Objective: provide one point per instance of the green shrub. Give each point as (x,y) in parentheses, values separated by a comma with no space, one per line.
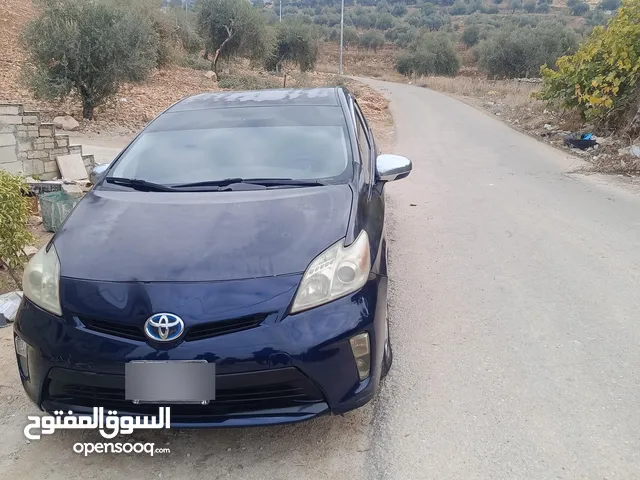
(399,10)
(529,6)
(458,8)
(194,61)
(543,8)
(471,35)
(434,55)
(609,5)
(384,21)
(231,28)
(519,52)
(601,80)
(295,42)
(579,8)
(88,48)
(371,40)
(14,214)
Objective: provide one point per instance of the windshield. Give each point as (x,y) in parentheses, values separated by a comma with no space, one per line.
(261,142)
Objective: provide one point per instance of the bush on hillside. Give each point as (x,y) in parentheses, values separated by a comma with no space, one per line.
(434,55)
(233,28)
(602,79)
(609,5)
(519,52)
(88,48)
(371,40)
(471,35)
(295,42)
(579,8)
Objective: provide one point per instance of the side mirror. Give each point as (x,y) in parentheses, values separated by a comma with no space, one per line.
(392,167)
(98,172)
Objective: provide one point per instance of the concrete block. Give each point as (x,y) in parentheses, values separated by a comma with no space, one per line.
(21,128)
(37,154)
(11,119)
(51,166)
(50,175)
(30,120)
(62,141)
(23,134)
(10,109)
(8,154)
(13,167)
(49,145)
(38,167)
(33,128)
(7,139)
(32,134)
(39,141)
(40,146)
(73,149)
(72,167)
(46,132)
(24,146)
(89,162)
(7,129)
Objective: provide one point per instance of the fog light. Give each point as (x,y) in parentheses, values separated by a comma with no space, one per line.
(361,353)
(21,351)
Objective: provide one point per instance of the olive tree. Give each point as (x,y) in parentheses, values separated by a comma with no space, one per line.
(88,48)
(296,42)
(232,27)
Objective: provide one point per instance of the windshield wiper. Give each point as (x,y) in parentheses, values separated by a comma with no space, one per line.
(139,184)
(266,182)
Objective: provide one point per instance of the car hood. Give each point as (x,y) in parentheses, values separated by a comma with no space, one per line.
(121,236)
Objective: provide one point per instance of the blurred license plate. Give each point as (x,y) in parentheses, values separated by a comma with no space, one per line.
(189,381)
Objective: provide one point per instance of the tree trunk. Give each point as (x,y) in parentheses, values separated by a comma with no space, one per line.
(216,56)
(87,110)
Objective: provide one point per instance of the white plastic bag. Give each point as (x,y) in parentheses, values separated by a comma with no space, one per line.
(9,303)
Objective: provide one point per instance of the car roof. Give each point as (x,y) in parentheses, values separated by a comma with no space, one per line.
(327,96)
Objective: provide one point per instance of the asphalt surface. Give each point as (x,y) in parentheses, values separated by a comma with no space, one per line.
(514,314)
(515,307)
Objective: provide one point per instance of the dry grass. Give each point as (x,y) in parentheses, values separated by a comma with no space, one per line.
(509,91)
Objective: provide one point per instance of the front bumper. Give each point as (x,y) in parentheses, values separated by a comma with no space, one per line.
(284,370)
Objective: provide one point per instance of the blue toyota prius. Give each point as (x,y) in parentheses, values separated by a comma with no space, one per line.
(231,262)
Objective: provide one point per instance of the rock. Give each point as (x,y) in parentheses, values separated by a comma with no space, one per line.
(66,122)
(633,150)
(549,127)
(211,75)
(30,251)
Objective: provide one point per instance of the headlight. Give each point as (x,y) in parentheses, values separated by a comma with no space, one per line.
(41,280)
(336,272)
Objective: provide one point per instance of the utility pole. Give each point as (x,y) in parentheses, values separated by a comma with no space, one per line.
(341,36)
(280,10)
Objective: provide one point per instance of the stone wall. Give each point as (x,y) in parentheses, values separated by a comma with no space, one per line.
(30,147)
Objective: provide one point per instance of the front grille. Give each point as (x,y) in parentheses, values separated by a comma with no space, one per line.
(235,393)
(224,327)
(195,332)
(131,332)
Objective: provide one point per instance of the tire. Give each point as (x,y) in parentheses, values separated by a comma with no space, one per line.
(387,358)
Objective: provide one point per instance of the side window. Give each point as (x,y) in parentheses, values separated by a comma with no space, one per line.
(363,145)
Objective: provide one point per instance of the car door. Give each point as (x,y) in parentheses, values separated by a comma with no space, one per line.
(371,201)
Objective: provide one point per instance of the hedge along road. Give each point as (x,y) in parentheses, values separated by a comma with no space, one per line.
(513,309)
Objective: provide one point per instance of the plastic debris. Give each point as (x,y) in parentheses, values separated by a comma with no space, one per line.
(9,303)
(580,141)
(55,207)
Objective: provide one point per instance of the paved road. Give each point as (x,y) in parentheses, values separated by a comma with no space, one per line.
(515,307)
(515,326)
